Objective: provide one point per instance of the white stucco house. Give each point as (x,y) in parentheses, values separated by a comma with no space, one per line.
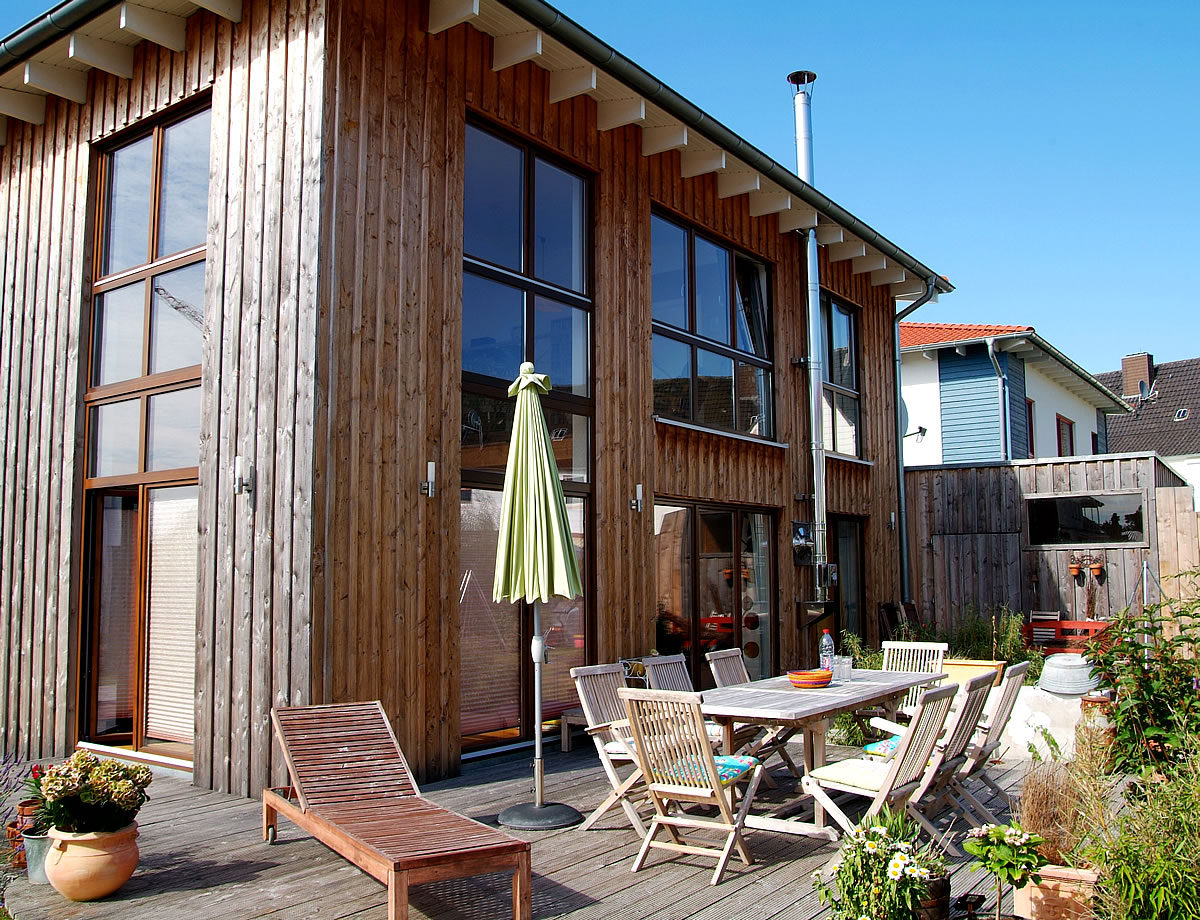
(977,393)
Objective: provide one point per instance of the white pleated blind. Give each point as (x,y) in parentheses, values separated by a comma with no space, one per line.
(171,652)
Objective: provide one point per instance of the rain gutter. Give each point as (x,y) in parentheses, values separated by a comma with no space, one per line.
(49,28)
(592,49)
(902,513)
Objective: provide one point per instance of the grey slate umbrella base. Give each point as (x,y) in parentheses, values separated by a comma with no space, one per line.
(548,817)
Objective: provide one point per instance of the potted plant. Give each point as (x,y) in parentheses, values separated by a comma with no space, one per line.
(1007,852)
(90,805)
(883,874)
(1075,565)
(34,826)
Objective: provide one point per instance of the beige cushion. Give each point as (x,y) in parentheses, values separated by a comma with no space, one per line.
(860,773)
(617,749)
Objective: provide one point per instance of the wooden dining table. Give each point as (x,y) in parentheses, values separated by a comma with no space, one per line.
(774,701)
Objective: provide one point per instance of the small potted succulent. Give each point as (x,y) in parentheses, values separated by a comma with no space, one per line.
(34,825)
(882,873)
(1008,853)
(90,805)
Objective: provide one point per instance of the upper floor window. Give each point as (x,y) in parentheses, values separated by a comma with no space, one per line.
(841,394)
(712,332)
(1066,436)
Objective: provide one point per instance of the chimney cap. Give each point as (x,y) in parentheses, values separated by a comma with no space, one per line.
(801,77)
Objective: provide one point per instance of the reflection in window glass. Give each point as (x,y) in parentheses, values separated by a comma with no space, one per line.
(117,334)
(560,346)
(754,409)
(183,208)
(174,421)
(672,363)
(755,549)
(712,291)
(714,389)
(177,319)
(840,422)
(841,349)
(114,616)
(114,438)
(559,222)
(752,322)
(493,338)
(1086,519)
(669,274)
(494,195)
(127,229)
(487,429)
(673,567)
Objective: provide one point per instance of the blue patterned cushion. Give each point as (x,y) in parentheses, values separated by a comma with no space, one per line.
(730,767)
(885,748)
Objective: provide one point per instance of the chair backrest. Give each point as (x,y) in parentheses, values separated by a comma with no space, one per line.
(597,686)
(913,656)
(728,667)
(342,752)
(667,672)
(1014,677)
(960,728)
(912,754)
(671,741)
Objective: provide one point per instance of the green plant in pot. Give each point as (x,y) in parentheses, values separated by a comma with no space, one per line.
(37,824)
(90,805)
(1008,853)
(883,874)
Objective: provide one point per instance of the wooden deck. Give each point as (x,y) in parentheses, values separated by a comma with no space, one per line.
(202,856)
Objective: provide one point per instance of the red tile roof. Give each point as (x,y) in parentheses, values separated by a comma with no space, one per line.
(916,334)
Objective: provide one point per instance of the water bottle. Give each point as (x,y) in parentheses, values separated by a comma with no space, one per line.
(826,651)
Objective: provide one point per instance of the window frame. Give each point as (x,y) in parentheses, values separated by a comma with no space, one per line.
(1029,426)
(829,303)
(1061,424)
(696,342)
(1027,501)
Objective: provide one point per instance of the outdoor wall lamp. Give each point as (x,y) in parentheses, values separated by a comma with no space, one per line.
(636,502)
(243,476)
(429,483)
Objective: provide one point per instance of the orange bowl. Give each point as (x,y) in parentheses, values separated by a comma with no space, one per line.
(810,680)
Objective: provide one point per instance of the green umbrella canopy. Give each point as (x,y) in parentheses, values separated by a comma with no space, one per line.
(535,554)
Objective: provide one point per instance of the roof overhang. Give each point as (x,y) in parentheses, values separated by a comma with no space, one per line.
(1039,353)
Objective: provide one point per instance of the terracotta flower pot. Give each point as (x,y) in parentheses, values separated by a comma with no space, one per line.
(1097,569)
(84,867)
(1062,894)
(1075,569)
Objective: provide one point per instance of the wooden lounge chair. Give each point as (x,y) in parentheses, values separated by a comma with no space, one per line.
(352,790)
(608,727)
(679,765)
(729,667)
(885,782)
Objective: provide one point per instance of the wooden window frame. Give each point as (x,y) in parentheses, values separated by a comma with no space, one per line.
(1061,423)
(695,342)
(1029,427)
(829,303)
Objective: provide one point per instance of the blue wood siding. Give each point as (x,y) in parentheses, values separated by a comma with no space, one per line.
(970,408)
(1018,427)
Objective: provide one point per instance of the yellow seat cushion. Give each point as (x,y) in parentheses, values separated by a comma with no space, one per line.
(857,772)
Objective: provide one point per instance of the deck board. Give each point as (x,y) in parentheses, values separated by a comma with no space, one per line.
(202,856)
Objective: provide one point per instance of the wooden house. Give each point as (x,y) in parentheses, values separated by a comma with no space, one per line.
(267,270)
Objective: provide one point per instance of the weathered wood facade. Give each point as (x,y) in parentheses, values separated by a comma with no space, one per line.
(970,544)
(332,364)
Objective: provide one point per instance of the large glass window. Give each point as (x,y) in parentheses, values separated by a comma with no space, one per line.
(143,439)
(712,342)
(840,412)
(1071,519)
(526,297)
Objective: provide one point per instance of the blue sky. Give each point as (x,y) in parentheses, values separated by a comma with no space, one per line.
(1043,156)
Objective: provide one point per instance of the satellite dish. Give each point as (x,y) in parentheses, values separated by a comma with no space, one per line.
(1143,390)
(903,415)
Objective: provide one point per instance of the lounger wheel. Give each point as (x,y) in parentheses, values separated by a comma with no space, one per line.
(270,835)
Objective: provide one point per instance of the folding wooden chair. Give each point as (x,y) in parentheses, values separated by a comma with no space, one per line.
(608,727)
(679,765)
(729,667)
(352,790)
(913,656)
(986,742)
(885,782)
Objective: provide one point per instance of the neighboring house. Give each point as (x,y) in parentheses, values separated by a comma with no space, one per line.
(1167,420)
(266,278)
(983,393)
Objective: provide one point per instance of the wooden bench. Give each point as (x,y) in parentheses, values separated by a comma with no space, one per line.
(353,791)
(1062,635)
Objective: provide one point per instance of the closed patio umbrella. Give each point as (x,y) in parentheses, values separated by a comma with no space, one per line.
(535,560)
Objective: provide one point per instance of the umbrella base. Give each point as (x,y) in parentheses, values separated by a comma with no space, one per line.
(548,817)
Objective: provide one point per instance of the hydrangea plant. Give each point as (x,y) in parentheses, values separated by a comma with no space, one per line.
(882,873)
(85,794)
(1008,853)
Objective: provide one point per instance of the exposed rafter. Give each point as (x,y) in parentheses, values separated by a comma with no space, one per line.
(730,184)
(30,107)
(908,287)
(566,84)
(226,9)
(70,84)
(888,275)
(769,202)
(154,26)
(868,262)
(797,219)
(660,140)
(848,249)
(446,14)
(107,56)
(828,234)
(510,50)
(614,113)
(700,162)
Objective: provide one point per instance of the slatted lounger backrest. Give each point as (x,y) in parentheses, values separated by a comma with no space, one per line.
(340,753)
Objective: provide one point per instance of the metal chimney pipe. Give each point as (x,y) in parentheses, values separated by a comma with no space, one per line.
(803,81)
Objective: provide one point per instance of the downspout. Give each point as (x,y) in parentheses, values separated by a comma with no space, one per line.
(1001,397)
(803,80)
(902,515)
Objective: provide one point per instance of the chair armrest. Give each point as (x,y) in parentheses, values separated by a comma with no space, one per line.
(604,727)
(886,725)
